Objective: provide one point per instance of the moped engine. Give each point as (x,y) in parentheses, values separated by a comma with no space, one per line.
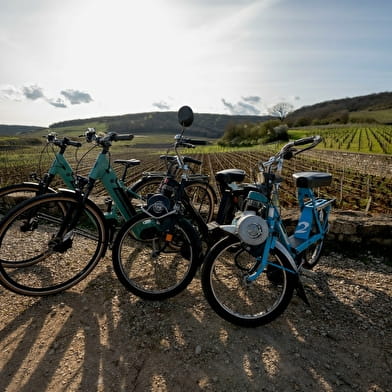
(252,229)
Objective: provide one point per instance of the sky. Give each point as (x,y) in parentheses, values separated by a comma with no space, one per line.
(63,60)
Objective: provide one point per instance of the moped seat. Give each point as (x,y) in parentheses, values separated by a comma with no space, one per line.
(228,176)
(312,179)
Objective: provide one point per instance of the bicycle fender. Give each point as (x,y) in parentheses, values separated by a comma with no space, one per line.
(286,253)
(50,190)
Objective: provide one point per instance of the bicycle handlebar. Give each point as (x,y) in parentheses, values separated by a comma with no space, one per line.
(119,137)
(312,140)
(184,144)
(194,141)
(288,151)
(91,135)
(69,142)
(305,140)
(52,138)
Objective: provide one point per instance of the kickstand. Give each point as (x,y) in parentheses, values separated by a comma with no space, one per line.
(301,292)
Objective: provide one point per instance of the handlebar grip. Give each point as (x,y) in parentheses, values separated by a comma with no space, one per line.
(192,160)
(72,143)
(188,145)
(305,140)
(118,137)
(195,142)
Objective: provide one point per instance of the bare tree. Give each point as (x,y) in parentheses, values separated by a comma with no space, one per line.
(281,110)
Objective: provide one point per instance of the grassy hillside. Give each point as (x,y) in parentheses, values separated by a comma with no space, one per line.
(13,129)
(205,125)
(373,108)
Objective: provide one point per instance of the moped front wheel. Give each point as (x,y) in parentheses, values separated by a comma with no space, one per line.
(231,296)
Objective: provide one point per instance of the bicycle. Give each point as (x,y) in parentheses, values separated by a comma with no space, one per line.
(198,187)
(172,204)
(62,236)
(249,277)
(13,194)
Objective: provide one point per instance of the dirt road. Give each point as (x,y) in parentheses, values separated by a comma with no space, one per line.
(99,337)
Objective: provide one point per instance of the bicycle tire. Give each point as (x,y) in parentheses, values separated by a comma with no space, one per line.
(33,260)
(12,195)
(150,274)
(311,256)
(201,194)
(223,280)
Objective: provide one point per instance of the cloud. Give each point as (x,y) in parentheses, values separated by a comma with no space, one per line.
(162,105)
(58,103)
(243,107)
(76,97)
(11,93)
(253,99)
(33,92)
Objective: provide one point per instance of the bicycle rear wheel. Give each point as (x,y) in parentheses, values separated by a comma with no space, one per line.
(37,257)
(12,195)
(247,304)
(201,194)
(311,256)
(155,259)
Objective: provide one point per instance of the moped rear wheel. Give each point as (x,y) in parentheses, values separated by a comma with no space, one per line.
(311,256)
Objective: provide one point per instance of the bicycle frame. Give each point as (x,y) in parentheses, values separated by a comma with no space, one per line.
(115,187)
(61,168)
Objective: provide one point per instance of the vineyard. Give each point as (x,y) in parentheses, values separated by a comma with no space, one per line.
(374,139)
(360,181)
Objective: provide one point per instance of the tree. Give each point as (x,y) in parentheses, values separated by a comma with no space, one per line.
(281,110)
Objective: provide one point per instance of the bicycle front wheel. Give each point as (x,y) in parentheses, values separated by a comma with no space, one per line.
(238,301)
(37,257)
(154,259)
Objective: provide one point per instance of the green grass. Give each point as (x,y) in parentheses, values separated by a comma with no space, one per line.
(381,116)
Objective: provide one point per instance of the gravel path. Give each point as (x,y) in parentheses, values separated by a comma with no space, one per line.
(99,337)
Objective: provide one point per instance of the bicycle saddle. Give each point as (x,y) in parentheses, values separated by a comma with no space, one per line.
(312,179)
(128,162)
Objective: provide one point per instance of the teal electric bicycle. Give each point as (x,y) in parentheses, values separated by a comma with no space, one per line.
(51,242)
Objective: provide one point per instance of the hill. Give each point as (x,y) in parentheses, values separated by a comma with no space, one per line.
(17,129)
(204,125)
(362,109)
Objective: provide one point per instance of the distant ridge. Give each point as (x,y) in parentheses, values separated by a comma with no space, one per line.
(204,124)
(17,129)
(338,109)
(213,125)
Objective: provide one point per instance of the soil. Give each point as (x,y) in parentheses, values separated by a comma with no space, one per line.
(99,337)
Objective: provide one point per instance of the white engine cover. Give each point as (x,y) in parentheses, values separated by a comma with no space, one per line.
(251,228)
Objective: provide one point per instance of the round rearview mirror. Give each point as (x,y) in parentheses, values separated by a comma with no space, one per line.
(185,116)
